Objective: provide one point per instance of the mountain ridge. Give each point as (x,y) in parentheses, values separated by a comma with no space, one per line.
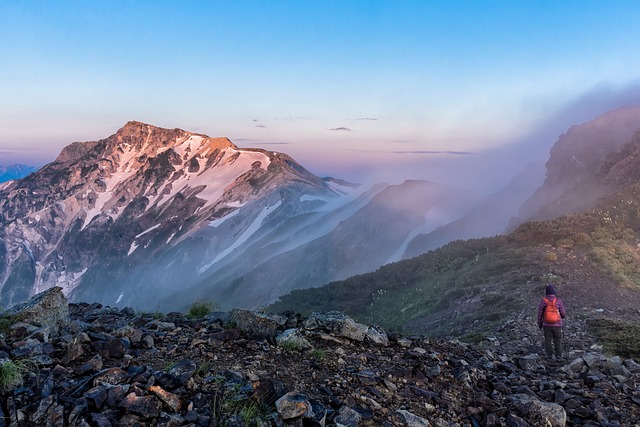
(125,183)
(151,217)
(590,255)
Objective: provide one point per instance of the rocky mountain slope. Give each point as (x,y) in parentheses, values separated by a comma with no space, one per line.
(574,179)
(89,365)
(357,238)
(104,210)
(155,218)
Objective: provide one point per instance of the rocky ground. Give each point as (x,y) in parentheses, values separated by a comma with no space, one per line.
(88,365)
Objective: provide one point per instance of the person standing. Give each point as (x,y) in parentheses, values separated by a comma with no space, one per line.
(551,313)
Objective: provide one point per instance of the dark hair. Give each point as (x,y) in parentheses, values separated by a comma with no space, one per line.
(550,290)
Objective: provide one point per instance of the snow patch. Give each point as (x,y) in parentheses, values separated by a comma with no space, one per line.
(217,222)
(120,297)
(132,248)
(69,282)
(148,230)
(255,226)
(170,238)
(215,179)
(310,198)
(236,204)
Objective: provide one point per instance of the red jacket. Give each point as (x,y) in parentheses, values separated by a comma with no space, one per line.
(543,305)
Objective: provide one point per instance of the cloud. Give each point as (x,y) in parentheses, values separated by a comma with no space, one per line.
(461,153)
(260,141)
(294,118)
(342,128)
(365,118)
(260,126)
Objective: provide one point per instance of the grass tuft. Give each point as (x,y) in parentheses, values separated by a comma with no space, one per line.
(318,353)
(12,373)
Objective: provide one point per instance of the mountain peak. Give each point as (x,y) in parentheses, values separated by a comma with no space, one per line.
(143,134)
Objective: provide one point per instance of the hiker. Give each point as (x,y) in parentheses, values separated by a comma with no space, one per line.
(550,315)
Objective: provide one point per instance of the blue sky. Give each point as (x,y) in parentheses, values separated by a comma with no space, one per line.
(345,87)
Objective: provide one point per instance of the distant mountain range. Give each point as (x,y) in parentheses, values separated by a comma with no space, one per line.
(17,171)
(155,218)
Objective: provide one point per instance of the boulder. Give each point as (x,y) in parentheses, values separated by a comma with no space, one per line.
(294,405)
(292,338)
(337,323)
(409,419)
(255,324)
(543,413)
(48,309)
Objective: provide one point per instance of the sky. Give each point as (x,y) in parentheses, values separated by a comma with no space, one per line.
(352,89)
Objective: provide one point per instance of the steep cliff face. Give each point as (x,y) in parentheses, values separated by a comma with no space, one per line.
(577,164)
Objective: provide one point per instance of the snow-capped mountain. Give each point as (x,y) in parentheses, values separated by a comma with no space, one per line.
(154,218)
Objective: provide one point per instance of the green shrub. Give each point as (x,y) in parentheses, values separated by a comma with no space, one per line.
(201,308)
(318,353)
(617,336)
(5,324)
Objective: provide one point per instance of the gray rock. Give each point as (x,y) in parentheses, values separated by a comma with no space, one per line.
(161,326)
(292,338)
(632,365)
(347,417)
(404,342)
(147,341)
(257,324)
(539,412)
(378,336)
(337,323)
(147,406)
(171,400)
(515,421)
(111,376)
(294,405)
(49,309)
(411,420)
(183,370)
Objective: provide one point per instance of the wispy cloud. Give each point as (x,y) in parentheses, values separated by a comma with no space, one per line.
(260,126)
(373,119)
(458,153)
(293,119)
(255,141)
(341,128)
(461,153)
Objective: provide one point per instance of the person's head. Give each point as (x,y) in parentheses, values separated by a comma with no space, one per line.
(550,290)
